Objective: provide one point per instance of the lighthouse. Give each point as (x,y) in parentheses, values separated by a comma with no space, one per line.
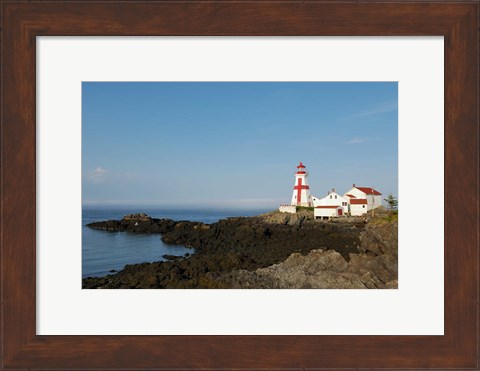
(301,191)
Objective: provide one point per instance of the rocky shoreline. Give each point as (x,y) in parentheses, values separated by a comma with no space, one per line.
(273,250)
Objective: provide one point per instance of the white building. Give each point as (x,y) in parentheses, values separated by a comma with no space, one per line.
(327,211)
(362,199)
(291,209)
(357,201)
(301,191)
(357,206)
(331,199)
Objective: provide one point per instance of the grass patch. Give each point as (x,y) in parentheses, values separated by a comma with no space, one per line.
(383,219)
(306,208)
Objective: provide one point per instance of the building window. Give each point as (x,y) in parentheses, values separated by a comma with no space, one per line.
(363,206)
(330,197)
(335,197)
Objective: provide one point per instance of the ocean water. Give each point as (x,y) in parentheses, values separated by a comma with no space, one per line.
(104,251)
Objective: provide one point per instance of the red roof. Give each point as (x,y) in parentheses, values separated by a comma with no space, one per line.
(349,195)
(359,201)
(327,207)
(300,166)
(369,191)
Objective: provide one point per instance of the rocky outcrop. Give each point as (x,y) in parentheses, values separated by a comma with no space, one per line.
(268,251)
(230,244)
(319,269)
(144,224)
(299,218)
(137,217)
(380,237)
(375,266)
(265,241)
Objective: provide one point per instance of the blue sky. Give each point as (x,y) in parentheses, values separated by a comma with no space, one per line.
(234,145)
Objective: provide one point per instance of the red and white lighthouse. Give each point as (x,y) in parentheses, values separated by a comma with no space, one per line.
(301,191)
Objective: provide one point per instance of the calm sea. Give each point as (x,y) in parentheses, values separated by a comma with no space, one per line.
(104,251)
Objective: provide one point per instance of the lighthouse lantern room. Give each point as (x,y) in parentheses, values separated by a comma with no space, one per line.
(301,191)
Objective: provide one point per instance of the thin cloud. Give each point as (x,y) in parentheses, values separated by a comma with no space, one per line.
(97,176)
(357,140)
(383,107)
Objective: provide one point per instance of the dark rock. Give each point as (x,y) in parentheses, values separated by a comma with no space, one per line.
(221,248)
(172,257)
(135,225)
(322,269)
(137,217)
(380,237)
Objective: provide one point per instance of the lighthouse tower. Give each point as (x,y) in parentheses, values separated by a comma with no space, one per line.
(301,191)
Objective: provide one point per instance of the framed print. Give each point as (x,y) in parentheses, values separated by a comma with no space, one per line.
(99,98)
(371,133)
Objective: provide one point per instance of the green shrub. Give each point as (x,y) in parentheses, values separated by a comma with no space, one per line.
(299,208)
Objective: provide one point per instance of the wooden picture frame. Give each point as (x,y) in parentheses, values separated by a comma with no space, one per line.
(23,21)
